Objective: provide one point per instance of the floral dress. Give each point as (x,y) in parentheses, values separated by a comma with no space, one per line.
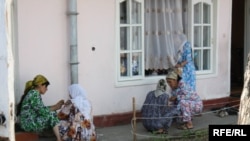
(188,101)
(73,126)
(34,116)
(188,71)
(156,113)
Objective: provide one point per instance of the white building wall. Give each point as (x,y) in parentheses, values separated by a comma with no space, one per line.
(4,108)
(7,101)
(43,46)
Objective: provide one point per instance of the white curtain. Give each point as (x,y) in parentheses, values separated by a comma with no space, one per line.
(164,32)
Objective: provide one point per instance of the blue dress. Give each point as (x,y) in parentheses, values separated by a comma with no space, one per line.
(155,112)
(188,71)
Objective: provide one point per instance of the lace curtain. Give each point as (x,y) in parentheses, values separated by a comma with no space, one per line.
(164,32)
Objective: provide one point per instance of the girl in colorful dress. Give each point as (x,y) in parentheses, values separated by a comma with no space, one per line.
(33,115)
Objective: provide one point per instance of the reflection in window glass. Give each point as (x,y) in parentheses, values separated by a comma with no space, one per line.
(124,38)
(206,14)
(206,36)
(197,59)
(136,12)
(124,64)
(197,13)
(136,61)
(197,36)
(123,12)
(206,59)
(137,37)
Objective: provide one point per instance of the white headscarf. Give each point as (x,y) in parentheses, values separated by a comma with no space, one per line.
(160,88)
(79,99)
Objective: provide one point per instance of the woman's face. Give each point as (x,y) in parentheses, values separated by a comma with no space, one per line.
(173,84)
(42,89)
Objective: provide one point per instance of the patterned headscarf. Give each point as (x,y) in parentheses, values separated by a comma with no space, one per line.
(79,99)
(160,88)
(38,80)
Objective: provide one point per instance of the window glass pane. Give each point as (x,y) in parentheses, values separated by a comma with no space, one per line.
(124,12)
(206,36)
(197,59)
(206,59)
(124,64)
(136,12)
(136,38)
(197,36)
(137,64)
(124,38)
(197,13)
(206,14)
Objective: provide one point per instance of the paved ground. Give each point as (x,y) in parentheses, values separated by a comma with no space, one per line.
(125,132)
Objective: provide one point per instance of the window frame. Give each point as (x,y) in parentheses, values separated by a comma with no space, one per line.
(191,37)
(130,51)
(146,80)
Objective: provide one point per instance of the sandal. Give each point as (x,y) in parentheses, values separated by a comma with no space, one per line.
(161,131)
(184,127)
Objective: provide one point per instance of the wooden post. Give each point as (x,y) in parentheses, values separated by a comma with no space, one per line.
(244,109)
(134,120)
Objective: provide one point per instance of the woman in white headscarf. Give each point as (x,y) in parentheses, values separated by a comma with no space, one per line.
(76,117)
(79,99)
(156,113)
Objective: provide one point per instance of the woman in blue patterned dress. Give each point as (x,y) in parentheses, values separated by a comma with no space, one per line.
(157,114)
(33,115)
(187,100)
(187,65)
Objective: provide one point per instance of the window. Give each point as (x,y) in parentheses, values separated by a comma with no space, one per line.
(130,45)
(132,42)
(201,34)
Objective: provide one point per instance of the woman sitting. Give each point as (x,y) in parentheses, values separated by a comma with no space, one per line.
(76,118)
(156,113)
(33,115)
(188,101)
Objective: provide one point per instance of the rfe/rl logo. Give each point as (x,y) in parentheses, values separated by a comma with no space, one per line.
(228,132)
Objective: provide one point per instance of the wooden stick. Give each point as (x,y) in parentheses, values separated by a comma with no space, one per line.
(134,120)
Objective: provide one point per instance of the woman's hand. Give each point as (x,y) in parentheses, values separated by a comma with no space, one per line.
(57,106)
(60,103)
(68,102)
(180,65)
(173,98)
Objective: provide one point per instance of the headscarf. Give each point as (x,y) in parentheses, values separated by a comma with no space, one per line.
(160,88)
(174,73)
(39,79)
(28,86)
(79,99)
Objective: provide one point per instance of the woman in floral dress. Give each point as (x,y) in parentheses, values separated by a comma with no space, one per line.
(187,100)
(76,117)
(187,65)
